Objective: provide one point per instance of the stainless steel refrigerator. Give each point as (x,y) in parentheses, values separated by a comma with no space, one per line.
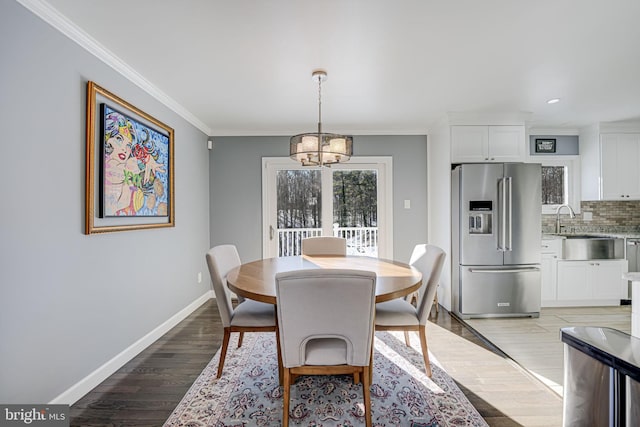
(496,233)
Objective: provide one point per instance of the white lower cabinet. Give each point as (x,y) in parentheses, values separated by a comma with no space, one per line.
(551,251)
(595,282)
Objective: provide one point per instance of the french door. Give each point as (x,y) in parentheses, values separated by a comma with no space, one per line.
(350,200)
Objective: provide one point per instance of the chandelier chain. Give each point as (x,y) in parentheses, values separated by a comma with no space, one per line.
(318,148)
(319,104)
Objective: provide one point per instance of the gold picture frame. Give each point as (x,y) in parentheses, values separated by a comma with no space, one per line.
(129,166)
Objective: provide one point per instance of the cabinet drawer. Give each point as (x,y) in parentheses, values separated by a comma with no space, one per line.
(551,246)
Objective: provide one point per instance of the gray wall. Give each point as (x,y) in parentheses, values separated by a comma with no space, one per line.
(236,188)
(71,302)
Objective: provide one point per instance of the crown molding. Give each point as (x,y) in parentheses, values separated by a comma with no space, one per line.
(53,17)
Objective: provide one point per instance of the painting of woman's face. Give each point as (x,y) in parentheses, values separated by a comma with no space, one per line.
(135,175)
(120,148)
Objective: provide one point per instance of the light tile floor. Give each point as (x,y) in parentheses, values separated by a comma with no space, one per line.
(535,343)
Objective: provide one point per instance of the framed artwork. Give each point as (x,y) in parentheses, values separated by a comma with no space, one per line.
(545,145)
(129,166)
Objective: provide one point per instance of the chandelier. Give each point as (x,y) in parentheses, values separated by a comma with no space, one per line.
(319,148)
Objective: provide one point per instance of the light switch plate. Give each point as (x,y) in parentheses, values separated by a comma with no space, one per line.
(407,204)
(587,216)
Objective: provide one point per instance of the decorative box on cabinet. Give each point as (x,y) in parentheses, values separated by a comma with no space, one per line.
(479,144)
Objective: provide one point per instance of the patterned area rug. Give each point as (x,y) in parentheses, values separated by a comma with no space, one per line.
(248,393)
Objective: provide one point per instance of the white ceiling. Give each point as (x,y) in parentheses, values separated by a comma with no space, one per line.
(244,67)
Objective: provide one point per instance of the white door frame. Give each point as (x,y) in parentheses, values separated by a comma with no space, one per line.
(382,164)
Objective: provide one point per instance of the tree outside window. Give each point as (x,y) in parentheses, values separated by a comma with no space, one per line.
(554,185)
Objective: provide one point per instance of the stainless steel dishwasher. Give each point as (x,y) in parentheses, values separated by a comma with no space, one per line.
(633,257)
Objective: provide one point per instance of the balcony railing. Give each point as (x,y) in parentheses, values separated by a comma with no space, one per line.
(360,240)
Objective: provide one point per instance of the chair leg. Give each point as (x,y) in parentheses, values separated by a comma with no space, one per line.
(285,398)
(435,302)
(278,349)
(240,339)
(406,338)
(413,298)
(425,349)
(356,377)
(223,351)
(370,370)
(366,392)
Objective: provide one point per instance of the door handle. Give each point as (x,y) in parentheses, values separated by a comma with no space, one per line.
(509,228)
(271,232)
(504,270)
(499,216)
(503,216)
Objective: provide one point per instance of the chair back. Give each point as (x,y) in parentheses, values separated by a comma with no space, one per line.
(324,245)
(220,260)
(429,259)
(335,305)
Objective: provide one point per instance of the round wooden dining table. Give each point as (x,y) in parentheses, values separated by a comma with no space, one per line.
(256,280)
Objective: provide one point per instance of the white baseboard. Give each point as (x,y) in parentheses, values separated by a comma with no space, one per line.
(85,385)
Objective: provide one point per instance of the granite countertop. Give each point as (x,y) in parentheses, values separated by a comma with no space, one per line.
(546,236)
(634,277)
(550,236)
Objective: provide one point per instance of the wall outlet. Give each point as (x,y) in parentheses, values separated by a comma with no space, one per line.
(587,216)
(200,277)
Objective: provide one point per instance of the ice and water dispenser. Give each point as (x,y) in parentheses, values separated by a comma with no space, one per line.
(480,213)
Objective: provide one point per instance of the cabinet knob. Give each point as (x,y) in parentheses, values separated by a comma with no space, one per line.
(493,158)
(486,158)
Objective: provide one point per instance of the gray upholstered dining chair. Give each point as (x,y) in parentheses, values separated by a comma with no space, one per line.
(400,315)
(324,245)
(248,315)
(325,320)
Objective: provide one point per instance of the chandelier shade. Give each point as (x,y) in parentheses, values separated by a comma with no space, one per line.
(319,148)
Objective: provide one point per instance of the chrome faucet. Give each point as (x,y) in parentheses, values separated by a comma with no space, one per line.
(571,214)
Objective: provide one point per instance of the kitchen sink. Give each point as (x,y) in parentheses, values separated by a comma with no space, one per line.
(576,247)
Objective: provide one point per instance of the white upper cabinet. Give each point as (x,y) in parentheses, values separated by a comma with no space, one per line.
(471,144)
(620,160)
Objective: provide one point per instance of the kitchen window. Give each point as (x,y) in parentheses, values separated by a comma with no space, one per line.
(560,183)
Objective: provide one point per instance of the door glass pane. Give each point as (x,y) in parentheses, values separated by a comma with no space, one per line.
(553,185)
(299,207)
(355,210)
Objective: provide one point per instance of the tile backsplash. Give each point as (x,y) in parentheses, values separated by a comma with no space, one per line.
(607,216)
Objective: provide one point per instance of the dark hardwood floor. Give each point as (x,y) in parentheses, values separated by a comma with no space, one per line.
(145,391)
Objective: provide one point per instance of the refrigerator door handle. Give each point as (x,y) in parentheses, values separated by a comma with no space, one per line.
(509,226)
(502,225)
(503,270)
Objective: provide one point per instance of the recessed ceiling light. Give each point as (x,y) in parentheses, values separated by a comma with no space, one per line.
(553,101)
